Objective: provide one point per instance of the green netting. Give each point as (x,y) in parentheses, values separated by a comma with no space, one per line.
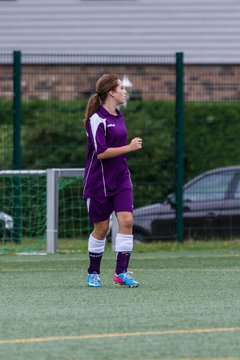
(73,218)
(23,208)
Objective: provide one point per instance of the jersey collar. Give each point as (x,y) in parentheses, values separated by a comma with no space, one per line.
(106,113)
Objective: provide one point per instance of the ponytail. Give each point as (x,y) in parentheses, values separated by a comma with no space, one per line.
(105,84)
(92,106)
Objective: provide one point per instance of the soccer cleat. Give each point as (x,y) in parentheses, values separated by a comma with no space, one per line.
(94,280)
(124,279)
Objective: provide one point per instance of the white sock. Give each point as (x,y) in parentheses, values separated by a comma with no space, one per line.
(96,246)
(124,243)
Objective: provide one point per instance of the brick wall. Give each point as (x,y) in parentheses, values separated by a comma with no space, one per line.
(68,82)
(212,83)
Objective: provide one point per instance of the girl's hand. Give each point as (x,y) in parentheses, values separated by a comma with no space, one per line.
(136,144)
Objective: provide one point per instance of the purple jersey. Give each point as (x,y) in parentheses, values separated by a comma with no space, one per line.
(105,177)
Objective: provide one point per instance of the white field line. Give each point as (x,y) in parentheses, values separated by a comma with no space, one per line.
(116,335)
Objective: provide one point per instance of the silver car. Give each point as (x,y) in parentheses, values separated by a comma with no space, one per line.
(211,209)
(7,219)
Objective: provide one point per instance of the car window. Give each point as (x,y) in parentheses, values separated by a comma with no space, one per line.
(210,187)
(237,191)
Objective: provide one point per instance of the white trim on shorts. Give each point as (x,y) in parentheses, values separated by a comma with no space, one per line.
(88,203)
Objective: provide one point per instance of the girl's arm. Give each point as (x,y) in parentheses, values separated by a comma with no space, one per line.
(134,145)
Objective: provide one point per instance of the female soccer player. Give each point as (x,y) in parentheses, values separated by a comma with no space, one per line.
(107,182)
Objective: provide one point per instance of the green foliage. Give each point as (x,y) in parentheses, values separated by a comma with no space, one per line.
(152,168)
(211,136)
(53,136)
(6,134)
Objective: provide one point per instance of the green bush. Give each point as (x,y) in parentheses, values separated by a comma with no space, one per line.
(211,136)
(53,136)
(6,134)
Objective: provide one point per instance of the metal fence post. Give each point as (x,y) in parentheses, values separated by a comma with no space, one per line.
(179,145)
(17,199)
(17,110)
(52,210)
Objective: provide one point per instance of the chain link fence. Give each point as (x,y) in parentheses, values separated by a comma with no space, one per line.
(54,92)
(212,109)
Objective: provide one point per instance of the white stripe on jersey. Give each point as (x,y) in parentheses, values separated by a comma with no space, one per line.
(104,184)
(95,121)
(86,180)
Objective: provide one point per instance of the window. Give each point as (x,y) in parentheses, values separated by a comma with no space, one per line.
(237,191)
(211,187)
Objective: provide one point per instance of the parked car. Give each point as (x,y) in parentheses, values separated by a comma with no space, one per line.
(211,209)
(6,225)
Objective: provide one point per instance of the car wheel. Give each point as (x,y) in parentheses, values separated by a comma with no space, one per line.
(140,237)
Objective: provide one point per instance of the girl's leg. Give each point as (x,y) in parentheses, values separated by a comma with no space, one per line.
(124,246)
(98,209)
(124,241)
(123,206)
(96,245)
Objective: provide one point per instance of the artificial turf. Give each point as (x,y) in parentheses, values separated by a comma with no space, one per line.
(187,307)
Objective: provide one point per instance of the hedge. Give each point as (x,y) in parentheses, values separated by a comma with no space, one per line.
(53,136)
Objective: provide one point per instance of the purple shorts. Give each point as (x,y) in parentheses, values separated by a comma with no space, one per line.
(100,209)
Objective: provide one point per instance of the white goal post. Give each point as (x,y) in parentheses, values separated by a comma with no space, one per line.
(52,207)
(52,203)
(52,211)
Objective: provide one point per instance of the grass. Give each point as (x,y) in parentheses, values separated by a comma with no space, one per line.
(186,307)
(80,245)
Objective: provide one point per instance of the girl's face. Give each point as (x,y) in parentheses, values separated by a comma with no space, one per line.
(120,93)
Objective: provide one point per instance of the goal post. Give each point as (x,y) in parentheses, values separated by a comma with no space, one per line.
(33,201)
(41,206)
(53,176)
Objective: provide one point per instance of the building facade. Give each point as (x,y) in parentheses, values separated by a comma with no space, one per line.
(207,32)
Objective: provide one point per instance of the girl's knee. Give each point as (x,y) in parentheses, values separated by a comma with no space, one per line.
(101,229)
(126,221)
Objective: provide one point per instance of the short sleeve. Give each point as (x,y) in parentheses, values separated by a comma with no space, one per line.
(98,129)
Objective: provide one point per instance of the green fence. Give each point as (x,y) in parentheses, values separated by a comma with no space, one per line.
(42,103)
(187,115)
(212,113)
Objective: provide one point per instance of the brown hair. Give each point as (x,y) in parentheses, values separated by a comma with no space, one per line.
(105,84)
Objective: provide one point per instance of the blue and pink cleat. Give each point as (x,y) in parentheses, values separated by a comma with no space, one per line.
(124,279)
(94,280)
